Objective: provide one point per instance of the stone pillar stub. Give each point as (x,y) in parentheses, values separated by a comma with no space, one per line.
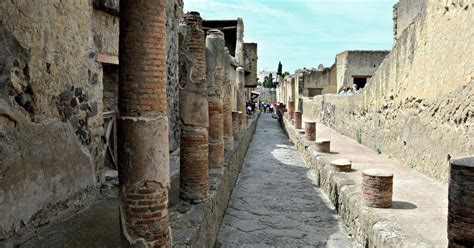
(215,52)
(194,113)
(143,141)
(323,145)
(461,202)
(298,119)
(341,165)
(310,131)
(228,128)
(377,188)
(291,110)
(241,101)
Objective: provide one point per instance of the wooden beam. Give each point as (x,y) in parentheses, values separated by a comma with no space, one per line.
(107,59)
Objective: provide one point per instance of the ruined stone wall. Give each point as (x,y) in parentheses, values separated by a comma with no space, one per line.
(174,13)
(51,146)
(233,80)
(250,64)
(419,106)
(404,12)
(105,29)
(320,79)
(357,63)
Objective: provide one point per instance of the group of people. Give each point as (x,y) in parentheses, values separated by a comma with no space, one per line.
(349,90)
(265,107)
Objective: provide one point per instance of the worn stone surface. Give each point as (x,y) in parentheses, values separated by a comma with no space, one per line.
(276,201)
(51,86)
(417,217)
(410,105)
(198,225)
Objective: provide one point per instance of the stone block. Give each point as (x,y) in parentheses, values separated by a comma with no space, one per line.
(323,145)
(341,165)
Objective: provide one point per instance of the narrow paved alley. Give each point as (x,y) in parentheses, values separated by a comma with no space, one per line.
(276,201)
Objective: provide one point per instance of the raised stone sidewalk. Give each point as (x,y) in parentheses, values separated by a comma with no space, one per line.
(418,217)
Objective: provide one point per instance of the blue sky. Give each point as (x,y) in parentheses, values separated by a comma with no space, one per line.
(305,33)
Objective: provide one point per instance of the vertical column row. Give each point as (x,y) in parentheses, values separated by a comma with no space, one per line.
(143,125)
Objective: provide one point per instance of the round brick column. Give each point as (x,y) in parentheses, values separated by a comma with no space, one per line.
(377,188)
(323,146)
(228,128)
(298,119)
(241,99)
(291,110)
(236,122)
(310,131)
(461,203)
(341,165)
(215,79)
(194,114)
(143,141)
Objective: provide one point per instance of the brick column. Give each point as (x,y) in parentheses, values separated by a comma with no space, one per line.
(461,203)
(241,101)
(298,119)
(228,129)
(310,130)
(215,78)
(194,113)
(143,142)
(291,110)
(377,188)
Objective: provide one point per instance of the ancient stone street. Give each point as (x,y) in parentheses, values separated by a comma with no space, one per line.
(276,201)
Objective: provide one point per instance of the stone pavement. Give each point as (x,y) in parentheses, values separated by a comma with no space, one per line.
(275,201)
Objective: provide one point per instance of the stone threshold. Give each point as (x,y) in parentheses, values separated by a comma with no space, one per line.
(418,217)
(197,225)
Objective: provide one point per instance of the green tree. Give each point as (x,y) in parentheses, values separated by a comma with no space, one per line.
(268,81)
(285,74)
(280,69)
